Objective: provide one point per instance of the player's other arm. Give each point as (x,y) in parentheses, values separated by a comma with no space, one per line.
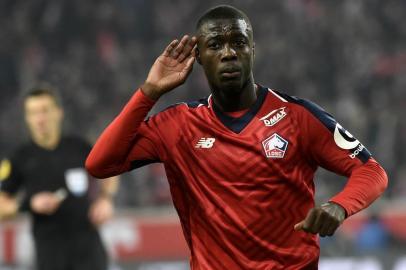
(111,155)
(332,147)
(365,184)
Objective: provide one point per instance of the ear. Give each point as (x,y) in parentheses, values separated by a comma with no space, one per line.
(253,50)
(197,55)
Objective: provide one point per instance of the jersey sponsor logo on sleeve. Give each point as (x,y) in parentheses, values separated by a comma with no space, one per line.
(357,151)
(274,117)
(346,141)
(205,143)
(275,146)
(77,181)
(5,169)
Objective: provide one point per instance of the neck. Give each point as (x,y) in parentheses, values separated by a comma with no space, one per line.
(231,101)
(49,141)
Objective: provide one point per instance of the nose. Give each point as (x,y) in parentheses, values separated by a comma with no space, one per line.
(228,53)
(39,118)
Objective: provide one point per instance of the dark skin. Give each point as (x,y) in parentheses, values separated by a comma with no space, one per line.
(225,50)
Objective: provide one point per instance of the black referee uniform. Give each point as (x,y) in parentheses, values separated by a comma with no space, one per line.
(65,240)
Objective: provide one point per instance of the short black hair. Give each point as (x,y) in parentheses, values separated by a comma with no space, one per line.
(44,90)
(222,12)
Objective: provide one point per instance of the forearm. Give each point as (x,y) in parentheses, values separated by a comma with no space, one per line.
(110,152)
(364,186)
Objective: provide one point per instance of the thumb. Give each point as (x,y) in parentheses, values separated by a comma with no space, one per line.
(299,226)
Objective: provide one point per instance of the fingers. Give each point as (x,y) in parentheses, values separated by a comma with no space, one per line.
(318,221)
(299,226)
(51,205)
(190,62)
(187,49)
(328,228)
(101,211)
(309,221)
(182,49)
(179,48)
(96,216)
(99,217)
(44,203)
(168,50)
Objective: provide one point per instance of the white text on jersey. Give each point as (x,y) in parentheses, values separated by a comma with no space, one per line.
(274,117)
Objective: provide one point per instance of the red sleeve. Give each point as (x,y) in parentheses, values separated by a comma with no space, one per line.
(127,140)
(327,144)
(364,186)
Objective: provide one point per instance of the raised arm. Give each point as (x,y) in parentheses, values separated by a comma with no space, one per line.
(126,136)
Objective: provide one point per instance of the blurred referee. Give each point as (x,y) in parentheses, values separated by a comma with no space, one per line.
(66,207)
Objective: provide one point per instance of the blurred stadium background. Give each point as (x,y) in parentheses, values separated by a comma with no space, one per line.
(348,56)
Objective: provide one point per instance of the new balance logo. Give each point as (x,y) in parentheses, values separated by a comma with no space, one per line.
(205,143)
(274,117)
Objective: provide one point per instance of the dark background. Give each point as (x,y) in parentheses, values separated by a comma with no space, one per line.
(348,56)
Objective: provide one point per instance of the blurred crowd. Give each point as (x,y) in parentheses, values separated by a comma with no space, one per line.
(347,56)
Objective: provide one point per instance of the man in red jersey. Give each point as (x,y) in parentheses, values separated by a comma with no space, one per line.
(241,162)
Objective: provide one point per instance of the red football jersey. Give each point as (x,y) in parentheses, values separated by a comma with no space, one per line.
(240,184)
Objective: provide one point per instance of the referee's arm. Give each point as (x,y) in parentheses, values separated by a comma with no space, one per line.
(8,205)
(102,209)
(108,187)
(10,182)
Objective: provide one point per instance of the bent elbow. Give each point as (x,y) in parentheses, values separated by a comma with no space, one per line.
(385,179)
(379,174)
(94,168)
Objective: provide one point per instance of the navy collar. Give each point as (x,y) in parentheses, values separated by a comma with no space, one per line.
(239,123)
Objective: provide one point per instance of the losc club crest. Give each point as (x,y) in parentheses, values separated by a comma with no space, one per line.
(275,146)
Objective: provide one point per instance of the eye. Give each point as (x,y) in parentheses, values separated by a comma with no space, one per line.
(213,44)
(240,42)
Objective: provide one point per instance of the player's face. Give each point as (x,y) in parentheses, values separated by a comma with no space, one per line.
(226,52)
(43,116)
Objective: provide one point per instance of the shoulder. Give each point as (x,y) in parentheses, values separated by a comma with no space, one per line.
(306,108)
(297,101)
(181,109)
(188,105)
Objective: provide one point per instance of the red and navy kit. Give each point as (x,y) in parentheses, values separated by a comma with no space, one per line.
(240,184)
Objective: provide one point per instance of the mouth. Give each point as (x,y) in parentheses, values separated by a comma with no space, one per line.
(230,73)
